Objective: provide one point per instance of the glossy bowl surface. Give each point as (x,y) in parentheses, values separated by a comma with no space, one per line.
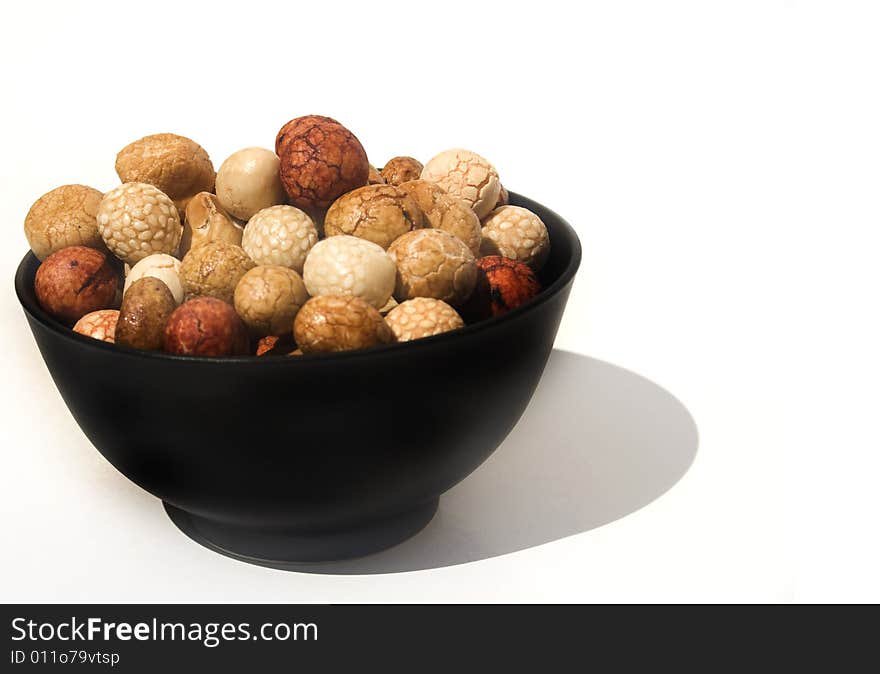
(281,460)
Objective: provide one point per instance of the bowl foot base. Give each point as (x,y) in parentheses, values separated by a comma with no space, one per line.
(282,549)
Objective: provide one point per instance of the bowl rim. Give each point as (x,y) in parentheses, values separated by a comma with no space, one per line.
(37,313)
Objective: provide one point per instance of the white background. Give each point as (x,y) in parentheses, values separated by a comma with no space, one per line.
(720,161)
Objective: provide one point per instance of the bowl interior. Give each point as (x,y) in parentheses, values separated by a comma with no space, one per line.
(557,273)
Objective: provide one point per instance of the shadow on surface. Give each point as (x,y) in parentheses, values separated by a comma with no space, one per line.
(596,443)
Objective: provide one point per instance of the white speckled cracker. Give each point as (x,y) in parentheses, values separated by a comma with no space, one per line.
(136,220)
(516,233)
(422,317)
(281,235)
(347,265)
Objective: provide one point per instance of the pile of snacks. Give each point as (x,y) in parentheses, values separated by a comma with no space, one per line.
(305,249)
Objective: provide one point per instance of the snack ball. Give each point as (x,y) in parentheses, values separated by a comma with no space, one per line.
(65,216)
(400,170)
(267,299)
(517,233)
(445,212)
(432,263)
(206,220)
(100,325)
(467,176)
(213,270)
(275,345)
(339,323)
(136,220)
(377,213)
(347,265)
(176,165)
(502,285)
(205,326)
(281,235)
(248,181)
(161,266)
(145,309)
(75,281)
(320,161)
(422,317)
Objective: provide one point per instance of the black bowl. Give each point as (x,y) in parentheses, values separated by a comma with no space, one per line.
(279,461)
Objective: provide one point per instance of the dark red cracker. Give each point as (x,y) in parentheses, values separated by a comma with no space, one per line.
(75,281)
(502,285)
(206,326)
(320,161)
(273,345)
